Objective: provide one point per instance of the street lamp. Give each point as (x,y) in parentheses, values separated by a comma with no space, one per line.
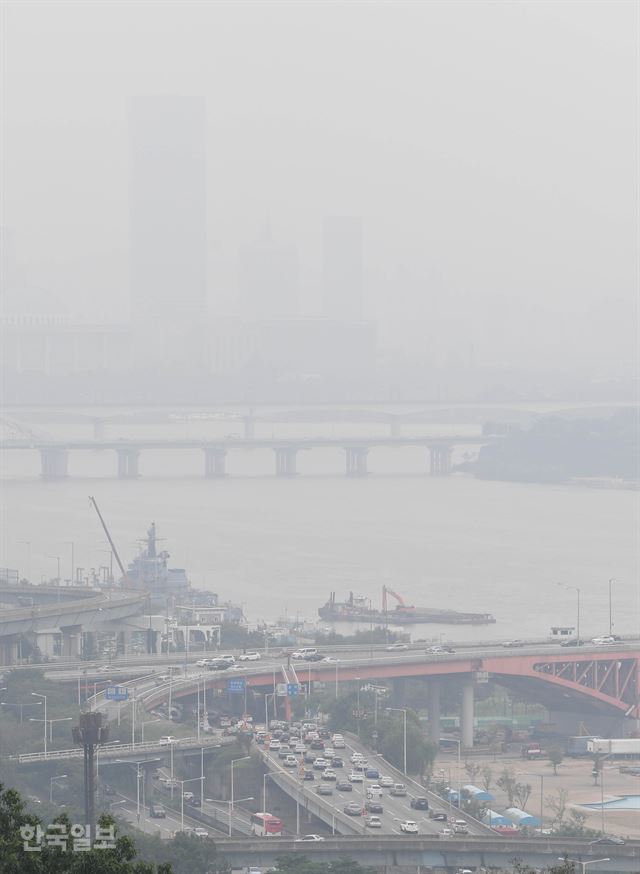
(573,589)
(584,864)
(50,721)
(233,761)
(228,803)
(41,695)
(57,558)
(51,782)
(403,710)
(182,782)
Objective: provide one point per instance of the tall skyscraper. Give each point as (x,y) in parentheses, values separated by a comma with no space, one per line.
(167,218)
(342,268)
(268,279)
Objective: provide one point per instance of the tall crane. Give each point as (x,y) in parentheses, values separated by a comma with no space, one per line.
(406,608)
(125,576)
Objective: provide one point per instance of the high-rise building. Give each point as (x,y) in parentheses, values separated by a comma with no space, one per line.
(268,279)
(167,220)
(342,268)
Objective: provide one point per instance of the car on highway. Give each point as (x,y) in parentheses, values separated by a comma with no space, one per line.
(308,774)
(373,822)
(337,762)
(511,644)
(338,742)
(249,657)
(573,642)
(353,808)
(228,658)
(399,790)
(609,840)
(330,659)
(344,786)
(357,757)
(328,774)
(324,789)
(446,832)
(317,744)
(166,740)
(304,652)
(200,832)
(299,748)
(311,838)
(290,762)
(603,641)
(438,815)
(372,774)
(373,807)
(314,657)
(374,791)
(284,751)
(409,827)
(396,647)
(195,802)
(460,827)
(220,664)
(386,782)
(435,650)
(157,811)
(355,777)
(203,663)
(320,764)
(419,803)
(274,745)
(188,796)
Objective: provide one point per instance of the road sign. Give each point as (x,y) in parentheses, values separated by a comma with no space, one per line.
(281,690)
(235,685)
(292,689)
(117,693)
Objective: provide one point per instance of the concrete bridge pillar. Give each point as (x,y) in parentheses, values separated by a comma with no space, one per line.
(286,461)
(398,689)
(98,429)
(467,715)
(440,460)
(215,462)
(249,427)
(53,463)
(128,463)
(356,460)
(433,705)
(71,641)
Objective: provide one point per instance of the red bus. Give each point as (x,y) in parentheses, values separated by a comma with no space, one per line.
(264,824)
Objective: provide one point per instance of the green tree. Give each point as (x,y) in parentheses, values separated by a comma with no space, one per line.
(556,757)
(294,864)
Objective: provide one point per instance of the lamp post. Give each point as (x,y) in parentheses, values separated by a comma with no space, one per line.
(233,762)
(41,695)
(577,590)
(20,705)
(228,803)
(583,864)
(57,558)
(403,710)
(51,782)
(50,721)
(182,782)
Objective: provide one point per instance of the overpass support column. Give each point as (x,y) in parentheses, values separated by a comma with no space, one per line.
(71,641)
(286,461)
(398,689)
(440,460)
(356,460)
(128,463)
(214,462)
(466,721)
(53,463)
(433,704)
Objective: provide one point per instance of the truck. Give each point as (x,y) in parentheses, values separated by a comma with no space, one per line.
(531,750)
(628,747)
(579,746)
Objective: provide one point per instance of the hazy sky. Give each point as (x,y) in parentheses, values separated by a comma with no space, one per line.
(491,148)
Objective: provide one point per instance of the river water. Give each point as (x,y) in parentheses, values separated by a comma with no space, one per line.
(280,546)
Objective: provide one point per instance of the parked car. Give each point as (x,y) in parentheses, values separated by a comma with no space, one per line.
(419,803)
(409,827)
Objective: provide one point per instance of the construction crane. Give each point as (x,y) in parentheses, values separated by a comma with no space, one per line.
(405,608)
(125,576)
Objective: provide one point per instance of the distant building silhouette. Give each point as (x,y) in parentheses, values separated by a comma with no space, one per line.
(268,279)
(167,224)
(342,268)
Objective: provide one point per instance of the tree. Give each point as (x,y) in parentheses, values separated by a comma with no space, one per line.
(487,778)
(507,782)
(294,864)
(556,757)
(472,769)
(558,804)
(521,794)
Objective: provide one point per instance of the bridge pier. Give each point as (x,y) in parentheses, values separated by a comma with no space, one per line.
(128,463)
(54,463)
(215,462)
(285,461)
(433,706)
(467,715)
(356,460)
(249,427)
(440,460)
(71,641)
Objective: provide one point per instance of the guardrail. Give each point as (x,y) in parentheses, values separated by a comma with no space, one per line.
(119,750)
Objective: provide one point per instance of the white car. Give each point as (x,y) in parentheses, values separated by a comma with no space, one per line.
(409,827)
(304,652)
(355,777)
(373,822)
(167,739)
(435,650)
(202,663)
(396,647)
(249,657)
(603,641)
(386,782)
(330,659)
(446,832)
(200,832)
(312,838)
